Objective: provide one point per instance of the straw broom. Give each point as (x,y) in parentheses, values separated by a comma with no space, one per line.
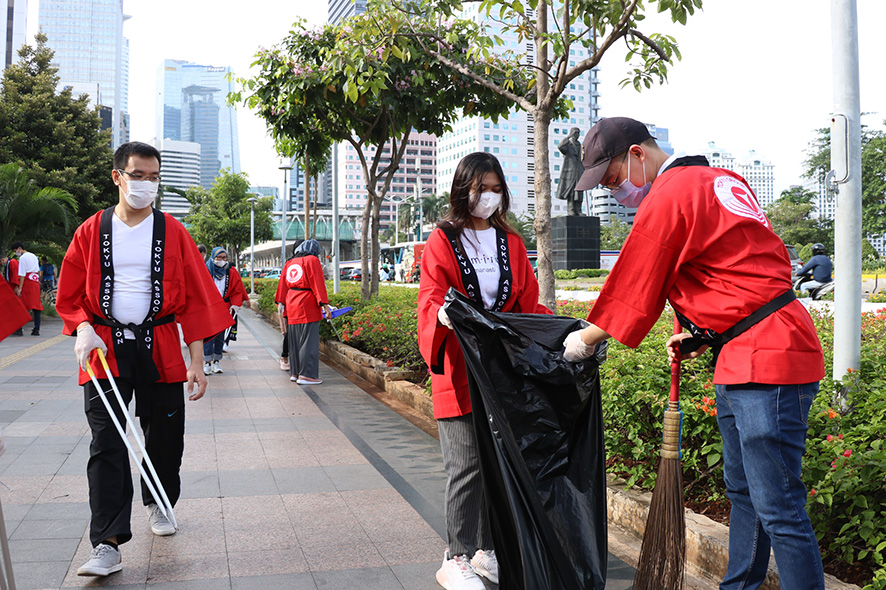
(663,552)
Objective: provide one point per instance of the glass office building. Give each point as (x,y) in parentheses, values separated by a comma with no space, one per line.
(191,106)
(87,37)
(14,34)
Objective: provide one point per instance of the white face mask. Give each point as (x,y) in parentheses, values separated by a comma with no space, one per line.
(220,263)
(141,193)
(629,194)
(487,204)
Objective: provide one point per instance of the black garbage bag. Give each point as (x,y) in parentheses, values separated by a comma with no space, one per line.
(539,426)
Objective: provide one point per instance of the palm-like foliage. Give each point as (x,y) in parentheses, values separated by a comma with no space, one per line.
(33,214)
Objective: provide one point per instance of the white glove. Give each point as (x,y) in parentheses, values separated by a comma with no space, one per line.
(444,319)
(87,341)
(574,348)
(235,309)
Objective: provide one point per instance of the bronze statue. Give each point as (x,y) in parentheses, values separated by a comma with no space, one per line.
(571,172)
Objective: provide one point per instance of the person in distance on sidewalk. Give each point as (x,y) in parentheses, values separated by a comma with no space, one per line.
(302,291)
(230,287)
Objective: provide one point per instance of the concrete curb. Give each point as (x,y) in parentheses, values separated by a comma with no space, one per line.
(707,541)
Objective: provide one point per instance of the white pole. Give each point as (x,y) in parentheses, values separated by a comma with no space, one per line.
(286,167)
(336,258)
(252,245)
(846,154)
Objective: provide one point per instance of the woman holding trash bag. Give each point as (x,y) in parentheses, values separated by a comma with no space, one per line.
(302,291)
(230,287)
(477,252)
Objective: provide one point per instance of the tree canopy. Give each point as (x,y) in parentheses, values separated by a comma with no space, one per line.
(614,234)
(555,29)
(793,220)
(55,137)
(220,216)
(42,217)
(353,83)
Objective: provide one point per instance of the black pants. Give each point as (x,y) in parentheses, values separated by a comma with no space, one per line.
(161,412)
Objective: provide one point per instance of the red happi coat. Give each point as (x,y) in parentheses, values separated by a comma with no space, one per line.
(14,314)
(31,290)
(188,292)
(302,290)
(236,292)
(701,242)
(439,272)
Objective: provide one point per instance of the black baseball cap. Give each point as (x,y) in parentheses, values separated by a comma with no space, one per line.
(608,138)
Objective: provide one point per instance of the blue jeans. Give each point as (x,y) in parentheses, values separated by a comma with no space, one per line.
(213,347)
(764,438)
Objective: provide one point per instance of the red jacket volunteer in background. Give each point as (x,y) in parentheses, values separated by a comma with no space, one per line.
(302,290)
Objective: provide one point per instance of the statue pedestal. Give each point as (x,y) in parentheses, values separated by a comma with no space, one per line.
(576,242)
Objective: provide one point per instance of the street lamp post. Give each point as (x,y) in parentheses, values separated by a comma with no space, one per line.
(251,202)
(285,167)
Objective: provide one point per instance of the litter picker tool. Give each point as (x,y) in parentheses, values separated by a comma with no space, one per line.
(663,552)
(161,499)
(7,580)
(335,312)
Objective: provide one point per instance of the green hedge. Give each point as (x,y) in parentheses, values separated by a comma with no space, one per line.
(578,273)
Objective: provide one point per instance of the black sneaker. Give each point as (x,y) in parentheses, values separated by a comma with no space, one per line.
(35,333)
(17,333)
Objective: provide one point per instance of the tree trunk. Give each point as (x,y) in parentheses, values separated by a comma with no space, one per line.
(314,214)
(307,207)
(364,245)
(376,215)
(542,124)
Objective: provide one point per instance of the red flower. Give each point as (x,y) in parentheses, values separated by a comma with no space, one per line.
(705,409)
(812,492)
(847,453)
(390,363)
(714,412)
(830,437)
(831,413)
(840,436)
(706,399)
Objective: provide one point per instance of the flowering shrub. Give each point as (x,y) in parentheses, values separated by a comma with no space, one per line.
(385,327)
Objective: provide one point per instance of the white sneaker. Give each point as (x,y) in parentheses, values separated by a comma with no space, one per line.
(485,564)
(225,347)
(308,381)
(207,368)
(160,525)
(105,560)
(284,364)
(457,574)
(216,368)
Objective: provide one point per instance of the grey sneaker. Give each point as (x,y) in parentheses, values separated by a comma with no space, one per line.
(160,525)
(216,368)
(207,368)
(485,564)
(105,560)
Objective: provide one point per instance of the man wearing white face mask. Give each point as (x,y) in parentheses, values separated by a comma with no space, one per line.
(132,273)
(701,242)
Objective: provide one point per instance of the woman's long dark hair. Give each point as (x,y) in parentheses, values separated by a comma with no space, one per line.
(468,174)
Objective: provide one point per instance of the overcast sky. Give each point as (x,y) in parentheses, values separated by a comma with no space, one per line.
(755,74)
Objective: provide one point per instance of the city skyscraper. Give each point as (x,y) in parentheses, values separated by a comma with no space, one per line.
(14,34)
(759,173)
(179,168)
(87,37)
(342,9)
(191,106)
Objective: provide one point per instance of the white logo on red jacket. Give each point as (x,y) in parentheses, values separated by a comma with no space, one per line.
(33,276)
(294,274)
(737,198)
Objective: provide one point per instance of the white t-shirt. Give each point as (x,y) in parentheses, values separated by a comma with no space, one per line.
(220,284)
(28,263)
(481,250)
(132,271)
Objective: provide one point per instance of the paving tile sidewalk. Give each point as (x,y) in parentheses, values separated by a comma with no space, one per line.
(283,486)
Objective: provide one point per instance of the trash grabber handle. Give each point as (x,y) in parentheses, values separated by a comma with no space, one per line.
(234,315)
(161,499)
(7,580)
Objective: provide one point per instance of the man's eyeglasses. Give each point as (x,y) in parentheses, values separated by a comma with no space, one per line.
(138,177)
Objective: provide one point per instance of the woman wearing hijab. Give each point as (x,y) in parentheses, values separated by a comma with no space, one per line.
(231,288)
(302,291)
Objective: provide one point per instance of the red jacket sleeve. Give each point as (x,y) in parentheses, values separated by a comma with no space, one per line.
(318,281)
(236,290)
(13,272)
(14,314)
(438,274)
(71,297)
